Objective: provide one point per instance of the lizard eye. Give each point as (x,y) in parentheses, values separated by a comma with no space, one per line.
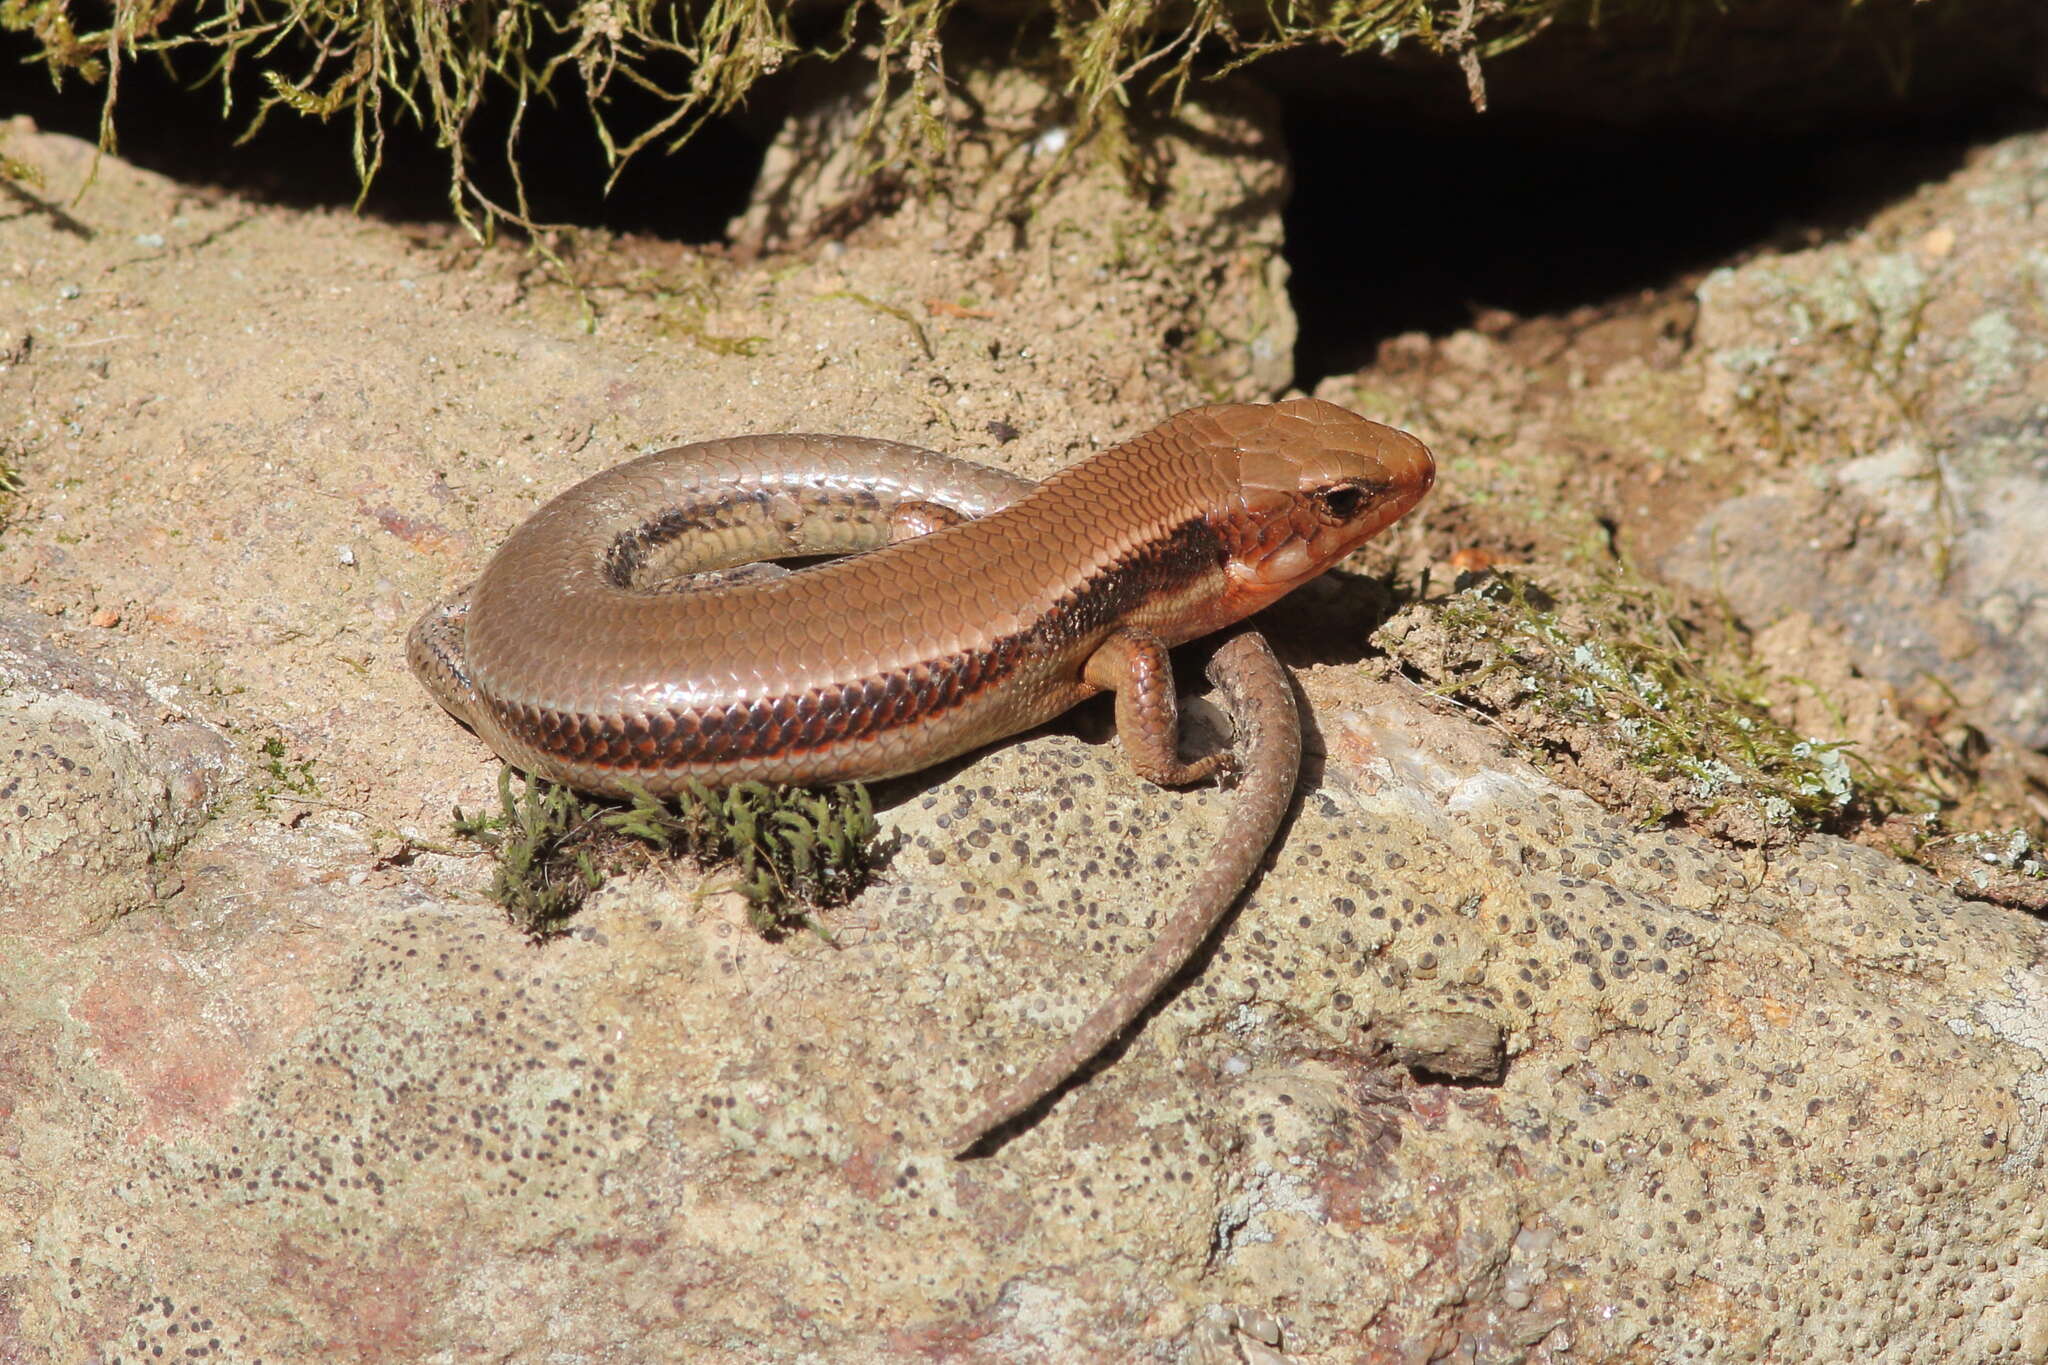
(1341,503)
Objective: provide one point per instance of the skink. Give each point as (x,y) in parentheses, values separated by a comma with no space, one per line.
(982,605)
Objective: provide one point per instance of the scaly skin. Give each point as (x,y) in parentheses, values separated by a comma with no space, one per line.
(577,659)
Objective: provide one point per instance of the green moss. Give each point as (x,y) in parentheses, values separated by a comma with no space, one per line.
(1617,680)
(18,171)
(902,315)
(289,777)
(686,325)
(684,301)
(792,850)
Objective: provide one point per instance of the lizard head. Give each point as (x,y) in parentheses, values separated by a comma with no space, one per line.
(1314,483)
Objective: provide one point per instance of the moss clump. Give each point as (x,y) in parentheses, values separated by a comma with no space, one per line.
(794,850)
(1615,684)
(290,779)
(437,63)
(17,171)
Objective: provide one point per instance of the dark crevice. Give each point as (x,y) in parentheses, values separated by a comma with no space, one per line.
(1411,214)
(1395,228)
(169,121)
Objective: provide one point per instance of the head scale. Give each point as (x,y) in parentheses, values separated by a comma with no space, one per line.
(1314,483)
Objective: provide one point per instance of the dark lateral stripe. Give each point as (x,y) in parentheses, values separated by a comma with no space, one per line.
(764,727)
(863,708)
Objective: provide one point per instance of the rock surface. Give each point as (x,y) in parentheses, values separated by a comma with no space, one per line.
(312,1097)
(102,781)
(1908,365)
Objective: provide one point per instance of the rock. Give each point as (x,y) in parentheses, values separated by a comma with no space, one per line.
(1197,266)
(100,783)
(1718,1078)
(1902,372)
(325,1103)
(1449,1045)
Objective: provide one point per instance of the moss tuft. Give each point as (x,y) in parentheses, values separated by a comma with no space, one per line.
(290,778)
(1613,681)
(16,171)
(793,850)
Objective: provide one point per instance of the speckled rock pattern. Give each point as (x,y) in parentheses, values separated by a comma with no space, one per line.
(1908,368)
(1476,1072)
(1783,1110)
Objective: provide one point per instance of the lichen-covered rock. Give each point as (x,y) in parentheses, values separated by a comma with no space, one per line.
(1790,1107)
(1904,372)
(100,779)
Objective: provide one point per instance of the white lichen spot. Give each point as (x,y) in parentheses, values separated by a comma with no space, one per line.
(1994,353)
(1829,777)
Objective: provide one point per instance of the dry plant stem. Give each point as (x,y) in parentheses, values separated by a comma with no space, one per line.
(436,64)
(1260,698)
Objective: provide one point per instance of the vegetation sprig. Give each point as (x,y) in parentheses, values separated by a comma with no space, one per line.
(793,850)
